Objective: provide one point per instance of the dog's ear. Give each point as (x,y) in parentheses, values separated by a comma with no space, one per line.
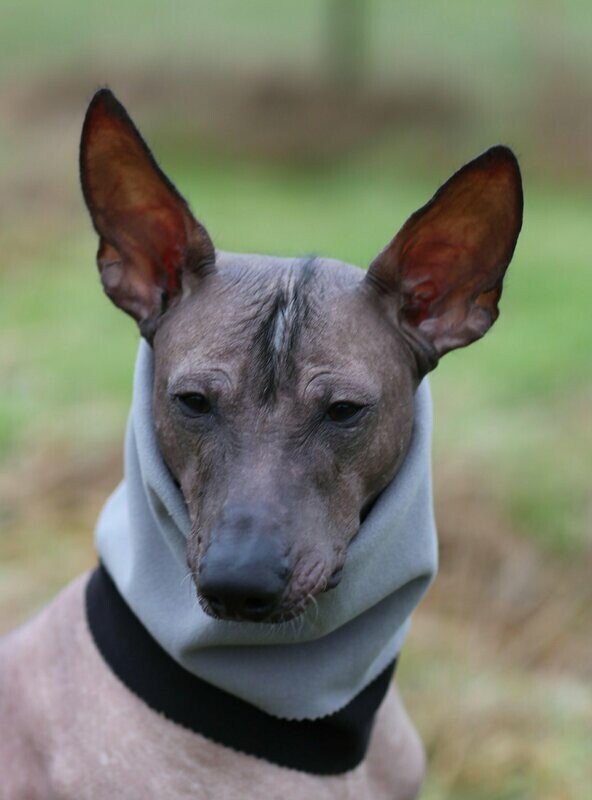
(147,233)
(445,267)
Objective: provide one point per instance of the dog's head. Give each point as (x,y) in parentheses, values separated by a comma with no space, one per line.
(283,395)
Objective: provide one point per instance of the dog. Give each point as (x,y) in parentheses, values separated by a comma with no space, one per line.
(278,407)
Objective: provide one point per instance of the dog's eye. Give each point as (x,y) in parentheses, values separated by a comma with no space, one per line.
(194,403)
(343,411)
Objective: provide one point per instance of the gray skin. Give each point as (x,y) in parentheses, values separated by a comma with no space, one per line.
(268,459)
(256,356)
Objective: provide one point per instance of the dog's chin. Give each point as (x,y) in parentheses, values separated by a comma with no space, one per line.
(278,617)
(285,613)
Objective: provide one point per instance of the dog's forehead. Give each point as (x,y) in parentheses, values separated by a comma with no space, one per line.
(276,301)
(269,320)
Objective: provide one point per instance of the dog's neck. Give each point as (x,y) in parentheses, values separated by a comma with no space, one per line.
(303,669)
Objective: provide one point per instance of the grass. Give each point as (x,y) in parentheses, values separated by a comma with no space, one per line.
(533,730)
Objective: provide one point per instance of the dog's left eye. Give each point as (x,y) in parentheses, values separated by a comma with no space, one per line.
(343,411)
(194,403)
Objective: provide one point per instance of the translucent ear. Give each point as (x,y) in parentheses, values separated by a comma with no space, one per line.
(147,233)
(447,263)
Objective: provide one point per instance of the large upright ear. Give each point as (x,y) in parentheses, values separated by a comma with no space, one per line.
(446,265)
(147,234)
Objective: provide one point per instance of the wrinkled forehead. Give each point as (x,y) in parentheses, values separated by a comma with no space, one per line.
(272,318)
(274,304)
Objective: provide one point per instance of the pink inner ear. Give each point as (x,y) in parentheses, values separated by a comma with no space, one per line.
(430,270)
(417,303)
(145,226)
(156,233)
(448,261)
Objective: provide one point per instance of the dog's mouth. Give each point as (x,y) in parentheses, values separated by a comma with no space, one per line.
(275,618)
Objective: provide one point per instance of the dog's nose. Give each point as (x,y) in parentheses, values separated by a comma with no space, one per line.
(243,579)
(242,600)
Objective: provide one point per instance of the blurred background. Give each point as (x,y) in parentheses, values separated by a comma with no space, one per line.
(319,126)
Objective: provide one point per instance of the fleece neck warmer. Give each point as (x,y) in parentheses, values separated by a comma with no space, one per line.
(292,671)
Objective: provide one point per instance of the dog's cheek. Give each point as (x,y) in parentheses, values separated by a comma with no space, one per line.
(187,454)
(388,452)
(341,518)
(205,488)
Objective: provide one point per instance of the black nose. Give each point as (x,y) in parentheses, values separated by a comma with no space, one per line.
(243,577)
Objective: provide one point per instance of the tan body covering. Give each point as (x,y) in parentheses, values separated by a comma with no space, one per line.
(70,730)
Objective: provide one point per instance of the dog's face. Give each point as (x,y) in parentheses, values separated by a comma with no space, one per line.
(283,404)
(283,396)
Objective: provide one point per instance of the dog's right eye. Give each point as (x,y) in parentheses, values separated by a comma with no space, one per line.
(194,404)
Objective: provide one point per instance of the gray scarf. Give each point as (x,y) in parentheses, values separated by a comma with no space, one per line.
(302,669)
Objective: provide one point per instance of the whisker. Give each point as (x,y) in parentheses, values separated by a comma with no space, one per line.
(313,601)
(188,575)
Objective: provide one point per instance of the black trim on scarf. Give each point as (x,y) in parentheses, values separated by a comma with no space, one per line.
(330,745)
